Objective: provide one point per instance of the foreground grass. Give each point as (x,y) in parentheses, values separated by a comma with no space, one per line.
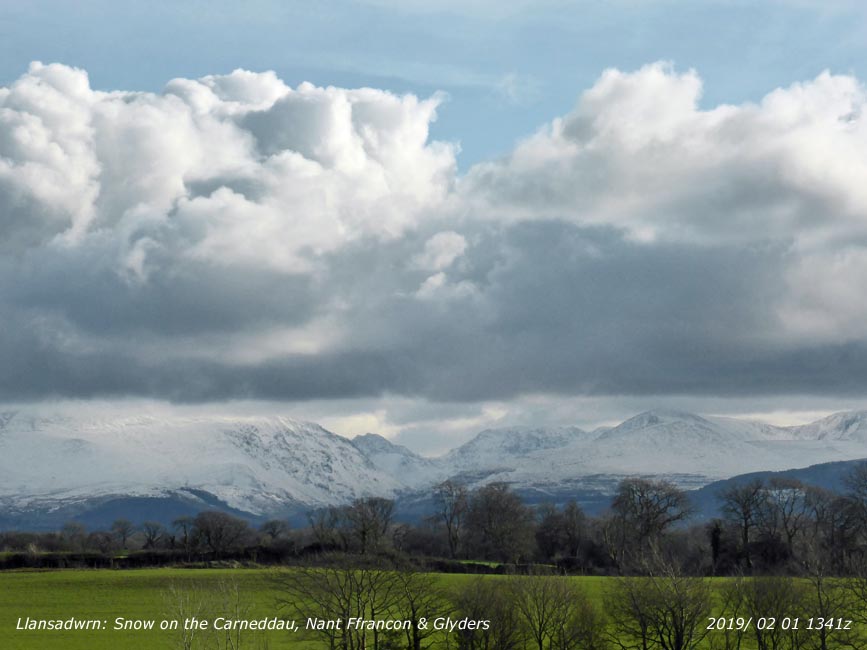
(106,595)
(139,594)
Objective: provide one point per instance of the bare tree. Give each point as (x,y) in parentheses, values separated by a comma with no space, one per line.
(645,510)
(220,532)
(452,504)
(574,523)
(74,535)
(499,525)
(543,604)
(485,599)
(559,532)
(782,516)
(666,609)
(274,529)
(732,603)
(102,541)
(833,530)
(182,602)
(153,533)
(323,524)
(338,592)
(774,598)
(417,596)
(123,529)
(556,614)
(224,599)
(184,526)
(741,505)
(368,520)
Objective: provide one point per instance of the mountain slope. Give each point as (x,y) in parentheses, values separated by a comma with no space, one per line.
(496,448)
(684,447)
(267,466)
(399,462)
(253,464)
(830,476)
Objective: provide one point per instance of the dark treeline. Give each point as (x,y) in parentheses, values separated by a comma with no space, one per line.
(773,527)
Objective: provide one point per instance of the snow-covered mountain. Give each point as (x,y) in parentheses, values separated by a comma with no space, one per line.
(267,465)
(690,449)
(503,448)
(253,464)
(849,426)
(397,461)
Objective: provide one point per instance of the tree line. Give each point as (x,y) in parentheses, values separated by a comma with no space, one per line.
(775,526)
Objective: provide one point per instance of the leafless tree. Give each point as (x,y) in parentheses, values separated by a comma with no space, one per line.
(741,505)
(323,524)
(787,499)
(74,535)
(556,614)
(773,597)
(664,609)
(225,599)
(220,532)
(368,520)
(499,525)
(184,527)
(452,504)
(485,599)
(123,529)
(644,510)
(418,595)
(274,529)
(153,532)
(338,591)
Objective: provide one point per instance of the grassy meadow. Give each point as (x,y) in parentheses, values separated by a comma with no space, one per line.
(141,594)
(152,594)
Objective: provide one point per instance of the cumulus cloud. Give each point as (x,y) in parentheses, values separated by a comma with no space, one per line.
(232,237)
(236,169)
(441,250)
(637,153)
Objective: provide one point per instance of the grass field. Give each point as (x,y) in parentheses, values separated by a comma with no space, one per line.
(105,595)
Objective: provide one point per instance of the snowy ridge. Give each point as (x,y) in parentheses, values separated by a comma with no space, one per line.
(493,448)
(267,465)
(253,464)
(398,461)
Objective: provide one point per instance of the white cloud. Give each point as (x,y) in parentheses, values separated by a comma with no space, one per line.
(234,169)
(638,154)
(440,251)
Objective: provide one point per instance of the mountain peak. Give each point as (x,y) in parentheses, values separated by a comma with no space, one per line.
(374,443)
(660,416)
(845,425)
(504,445)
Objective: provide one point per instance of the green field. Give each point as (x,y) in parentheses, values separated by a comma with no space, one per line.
(105,595)
(145,594)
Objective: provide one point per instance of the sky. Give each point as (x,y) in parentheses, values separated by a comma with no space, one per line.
(423,219)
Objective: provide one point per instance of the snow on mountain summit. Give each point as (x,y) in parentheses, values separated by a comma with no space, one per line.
(255,464)
(849,425)
(273,464)
(502,447)
(398,461)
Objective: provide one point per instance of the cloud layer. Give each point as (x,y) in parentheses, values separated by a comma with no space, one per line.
(232,237)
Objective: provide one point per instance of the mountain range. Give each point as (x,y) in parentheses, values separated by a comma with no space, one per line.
(53,468)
